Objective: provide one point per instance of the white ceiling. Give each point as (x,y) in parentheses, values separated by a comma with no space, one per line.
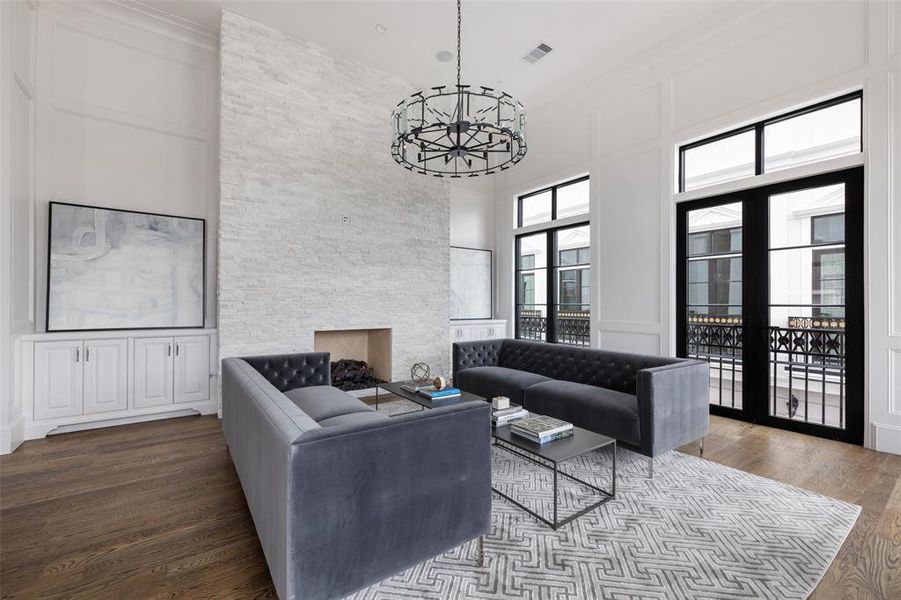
(588,38)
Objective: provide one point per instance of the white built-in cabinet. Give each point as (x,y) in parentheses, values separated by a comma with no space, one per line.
(464,331)
(171,370)
(192,381)
(73,379)
(58,379)
(105,375)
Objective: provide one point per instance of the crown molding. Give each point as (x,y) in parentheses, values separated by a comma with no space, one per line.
(138,14)
(169,19)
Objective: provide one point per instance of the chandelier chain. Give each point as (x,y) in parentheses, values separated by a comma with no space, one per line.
(459,8)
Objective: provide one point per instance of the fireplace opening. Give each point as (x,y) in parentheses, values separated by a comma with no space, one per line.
(360,358)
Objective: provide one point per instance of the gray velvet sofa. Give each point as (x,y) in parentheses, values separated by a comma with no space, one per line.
(341,495)
(651,404)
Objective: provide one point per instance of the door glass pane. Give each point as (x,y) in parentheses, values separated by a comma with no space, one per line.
(814,136)
(719,161)
(531,281)
(535,209)
(532,252)
(714,298)
(572,313)
(572,199)
(807,371)
(797,218)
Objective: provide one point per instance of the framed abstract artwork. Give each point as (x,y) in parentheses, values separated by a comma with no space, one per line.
(470,283)
(120,269)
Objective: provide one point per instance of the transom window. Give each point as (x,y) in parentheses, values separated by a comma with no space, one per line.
(568,199)
(822,131)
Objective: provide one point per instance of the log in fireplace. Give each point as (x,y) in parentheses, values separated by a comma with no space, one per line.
(349,374)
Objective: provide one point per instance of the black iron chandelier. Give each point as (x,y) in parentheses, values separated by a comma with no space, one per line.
(458,130)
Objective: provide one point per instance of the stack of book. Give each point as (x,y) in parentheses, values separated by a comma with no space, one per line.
(433,393)
(506,416)
(542,429)
(415,386)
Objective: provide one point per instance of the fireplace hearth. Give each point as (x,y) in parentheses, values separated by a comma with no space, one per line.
(349,374)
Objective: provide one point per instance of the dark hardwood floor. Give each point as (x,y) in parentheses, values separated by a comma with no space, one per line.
(155,510)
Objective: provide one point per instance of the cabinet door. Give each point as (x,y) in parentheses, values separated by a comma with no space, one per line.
(192,368)
(153,375)
(58,377)
(495,331)
(105,375)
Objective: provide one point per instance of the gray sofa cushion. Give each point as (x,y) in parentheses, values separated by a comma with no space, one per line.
(489,382)
(603,411)
(323,402)
(354,418)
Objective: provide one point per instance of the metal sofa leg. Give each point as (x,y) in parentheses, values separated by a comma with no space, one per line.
(650,468)
(481,552)
(702,446)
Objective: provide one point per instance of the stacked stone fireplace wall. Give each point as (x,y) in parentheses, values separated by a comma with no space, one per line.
(318,228)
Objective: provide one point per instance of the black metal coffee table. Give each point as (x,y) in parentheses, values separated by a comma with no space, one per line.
(556,452)
(394,387)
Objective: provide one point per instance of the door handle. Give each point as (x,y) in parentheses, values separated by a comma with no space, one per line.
(77,353)
(176,348)
(169,350)
(87,353)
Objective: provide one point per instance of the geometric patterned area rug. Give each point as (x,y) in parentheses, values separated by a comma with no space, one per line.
(696,530)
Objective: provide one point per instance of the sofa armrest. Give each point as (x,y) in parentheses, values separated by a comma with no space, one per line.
(480,353)
(260,424)
(673,405)
(291,371)
(374,499)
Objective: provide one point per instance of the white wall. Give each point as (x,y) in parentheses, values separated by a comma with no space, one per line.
(126,118)
(17,92)
(105,104)
(759,60)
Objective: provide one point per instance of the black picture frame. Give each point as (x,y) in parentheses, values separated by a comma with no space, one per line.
(203,300)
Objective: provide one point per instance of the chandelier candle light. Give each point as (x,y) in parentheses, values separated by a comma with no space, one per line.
(458,130)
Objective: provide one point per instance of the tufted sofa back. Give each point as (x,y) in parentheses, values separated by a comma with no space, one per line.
(602,368)
(290,371)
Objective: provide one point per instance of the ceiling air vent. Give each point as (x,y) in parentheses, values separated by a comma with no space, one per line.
(537,53)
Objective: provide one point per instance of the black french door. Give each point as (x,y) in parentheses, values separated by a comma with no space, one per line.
(770,294)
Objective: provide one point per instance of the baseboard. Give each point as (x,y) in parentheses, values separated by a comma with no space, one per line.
(887,438)
(124,421)
(34,430)
(12,436)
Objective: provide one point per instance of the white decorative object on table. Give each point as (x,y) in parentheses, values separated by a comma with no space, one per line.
(440,383)
(500,402)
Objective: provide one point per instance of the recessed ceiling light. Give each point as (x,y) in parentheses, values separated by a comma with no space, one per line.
(445,56)
(381,27)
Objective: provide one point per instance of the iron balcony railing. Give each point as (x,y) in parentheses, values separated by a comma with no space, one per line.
(573,327)
(807,362)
